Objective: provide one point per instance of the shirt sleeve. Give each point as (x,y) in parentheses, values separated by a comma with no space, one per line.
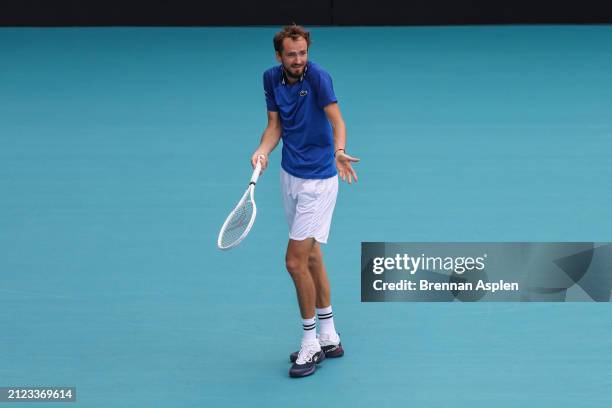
(269,92)
(325,89)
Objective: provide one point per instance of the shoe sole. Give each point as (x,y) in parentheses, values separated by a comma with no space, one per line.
(303,374)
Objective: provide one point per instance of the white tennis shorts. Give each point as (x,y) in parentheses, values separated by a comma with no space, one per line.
(309,205)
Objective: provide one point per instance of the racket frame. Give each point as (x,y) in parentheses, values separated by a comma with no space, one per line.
(249,193)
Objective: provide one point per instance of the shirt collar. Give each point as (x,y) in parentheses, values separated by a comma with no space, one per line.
(284,78)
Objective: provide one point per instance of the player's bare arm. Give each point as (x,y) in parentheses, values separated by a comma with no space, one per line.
(343,160)
(269,140)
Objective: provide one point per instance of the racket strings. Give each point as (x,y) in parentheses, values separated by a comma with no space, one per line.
(238,223)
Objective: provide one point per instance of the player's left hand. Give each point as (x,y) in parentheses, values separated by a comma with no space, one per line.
(345,169)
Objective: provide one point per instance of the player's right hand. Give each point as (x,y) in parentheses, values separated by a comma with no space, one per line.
(264,160)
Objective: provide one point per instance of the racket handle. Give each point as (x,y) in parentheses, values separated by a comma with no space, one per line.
(257,170)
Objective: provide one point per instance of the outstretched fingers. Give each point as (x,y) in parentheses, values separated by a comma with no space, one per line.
(353,172)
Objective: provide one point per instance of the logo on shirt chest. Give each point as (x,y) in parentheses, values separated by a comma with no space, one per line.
(303,92)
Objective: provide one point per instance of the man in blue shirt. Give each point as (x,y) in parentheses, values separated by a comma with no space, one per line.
(303,111)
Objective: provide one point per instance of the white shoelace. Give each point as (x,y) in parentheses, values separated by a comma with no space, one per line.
(307,352)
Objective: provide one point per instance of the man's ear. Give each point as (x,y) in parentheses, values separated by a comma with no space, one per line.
(278,57)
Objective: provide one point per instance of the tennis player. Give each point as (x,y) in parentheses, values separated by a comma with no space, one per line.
(303,111)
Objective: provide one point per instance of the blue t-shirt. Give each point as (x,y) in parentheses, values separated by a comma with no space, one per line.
(308,142)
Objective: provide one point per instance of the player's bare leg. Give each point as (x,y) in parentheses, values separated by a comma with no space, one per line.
(310,353)
(296,261)
(328,338)
(317,270)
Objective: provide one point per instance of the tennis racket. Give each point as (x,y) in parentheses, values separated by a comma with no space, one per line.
(241,219)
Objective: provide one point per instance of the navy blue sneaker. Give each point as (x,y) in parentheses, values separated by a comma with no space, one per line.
(330,345)
(306,361)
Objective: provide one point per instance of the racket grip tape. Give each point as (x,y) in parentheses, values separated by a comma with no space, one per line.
(257,171)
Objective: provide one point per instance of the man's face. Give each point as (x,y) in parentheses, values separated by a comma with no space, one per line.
(293,56)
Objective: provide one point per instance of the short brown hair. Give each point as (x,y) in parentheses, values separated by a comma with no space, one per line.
(292,31)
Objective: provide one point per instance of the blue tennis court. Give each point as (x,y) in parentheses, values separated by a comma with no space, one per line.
(122,150)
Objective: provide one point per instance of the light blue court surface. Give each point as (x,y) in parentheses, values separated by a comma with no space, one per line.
(122,151)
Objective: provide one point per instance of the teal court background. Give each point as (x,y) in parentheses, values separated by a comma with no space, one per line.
(122,150)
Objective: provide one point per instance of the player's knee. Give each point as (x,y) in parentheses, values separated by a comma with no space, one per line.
(293,264)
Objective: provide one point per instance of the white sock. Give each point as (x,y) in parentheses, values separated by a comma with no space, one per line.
(310,330)
(326,320)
